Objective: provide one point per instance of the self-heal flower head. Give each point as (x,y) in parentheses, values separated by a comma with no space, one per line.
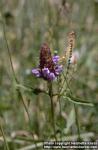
(49,67)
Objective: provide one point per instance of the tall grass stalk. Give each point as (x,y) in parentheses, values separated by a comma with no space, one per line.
(9,53)
(4,137)
(13,72)
(14,75)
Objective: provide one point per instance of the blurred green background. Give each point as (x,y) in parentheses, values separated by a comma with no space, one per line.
(28,24)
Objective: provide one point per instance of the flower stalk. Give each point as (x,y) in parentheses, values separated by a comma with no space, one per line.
(52,108)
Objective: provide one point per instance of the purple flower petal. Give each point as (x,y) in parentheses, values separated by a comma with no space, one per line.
(56,59)
(51,76)
(45,72)
(58,69)
(36,72)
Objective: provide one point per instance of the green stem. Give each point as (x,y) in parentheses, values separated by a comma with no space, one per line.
(2,131)
(77,122)
(52,108)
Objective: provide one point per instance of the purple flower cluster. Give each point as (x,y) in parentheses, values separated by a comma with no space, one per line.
(49,67)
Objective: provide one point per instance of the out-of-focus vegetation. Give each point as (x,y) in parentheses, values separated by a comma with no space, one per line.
(29,23)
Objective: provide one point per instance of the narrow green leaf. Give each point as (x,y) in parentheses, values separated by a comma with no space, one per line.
(78,101)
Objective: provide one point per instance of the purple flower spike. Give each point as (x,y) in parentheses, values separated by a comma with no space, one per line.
(56,59)
(49,67)
(36,72)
